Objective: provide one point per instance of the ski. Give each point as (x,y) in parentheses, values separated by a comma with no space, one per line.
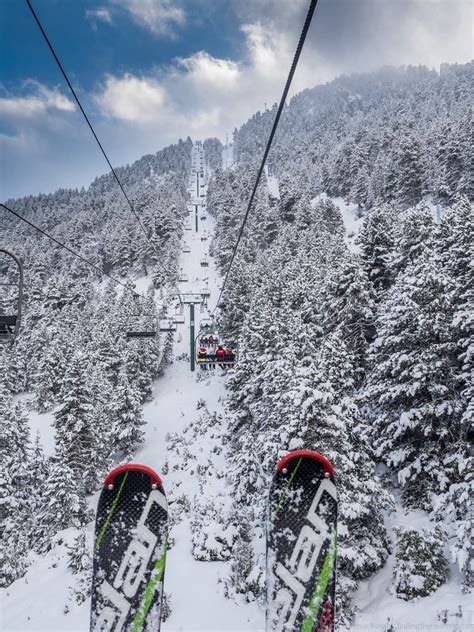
(131,535)
(301,545)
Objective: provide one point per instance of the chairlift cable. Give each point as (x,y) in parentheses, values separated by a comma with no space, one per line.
(299,48)
(73,252)
(61,68)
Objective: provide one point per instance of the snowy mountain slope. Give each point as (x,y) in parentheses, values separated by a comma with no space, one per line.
(360,349)
(174,407)
(317,278)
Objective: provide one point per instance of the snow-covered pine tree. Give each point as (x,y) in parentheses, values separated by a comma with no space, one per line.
(328,217)
(349,307)
(37,475)
(411,386)
(74,434)
(101,420)
(246,577)
(80,564)
(409,167)
(15,500)
(49,374)
(360,192)
(213,152)
(420,567)
(126,407)
(454,240)
(63,504)
(377,242)
(414,234)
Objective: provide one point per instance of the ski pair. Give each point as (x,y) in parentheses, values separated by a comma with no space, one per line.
(131,540)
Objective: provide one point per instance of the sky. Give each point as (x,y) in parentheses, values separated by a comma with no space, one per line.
(149,72)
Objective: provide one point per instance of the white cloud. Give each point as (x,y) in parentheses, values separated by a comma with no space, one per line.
(38,101)
(208,72)
(158,16)
(261,44)
(101,14)
(132,98)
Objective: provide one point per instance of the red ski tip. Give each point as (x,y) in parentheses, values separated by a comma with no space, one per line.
(327,465)
(132,467)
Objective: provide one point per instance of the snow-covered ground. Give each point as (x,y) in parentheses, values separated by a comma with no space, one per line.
(40,601)
(377,602)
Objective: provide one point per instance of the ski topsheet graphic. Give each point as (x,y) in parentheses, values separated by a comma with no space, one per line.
(129,552)
(301,545)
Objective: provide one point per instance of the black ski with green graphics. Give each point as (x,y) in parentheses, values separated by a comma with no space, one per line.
(130,546)
(301,545)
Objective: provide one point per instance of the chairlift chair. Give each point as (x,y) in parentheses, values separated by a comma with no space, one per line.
(206,324)
(167,324)
(205,292)
(140,334)
(211,359)
(186,248)
(183,278)
(10,323)
(204,263)
(179,318)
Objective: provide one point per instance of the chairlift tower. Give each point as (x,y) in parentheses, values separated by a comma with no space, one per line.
(191,299)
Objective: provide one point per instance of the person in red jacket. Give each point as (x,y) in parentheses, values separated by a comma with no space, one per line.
(220,354)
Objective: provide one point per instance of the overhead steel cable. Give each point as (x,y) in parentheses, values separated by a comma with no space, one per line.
(299,48)
(66,78)
(73,252)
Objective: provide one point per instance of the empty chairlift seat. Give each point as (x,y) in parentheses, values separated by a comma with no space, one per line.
(206,325)
(167,324)
(179,318)
(186,248)
(141,334)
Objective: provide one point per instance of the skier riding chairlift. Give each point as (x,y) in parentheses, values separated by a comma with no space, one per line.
(220,353)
